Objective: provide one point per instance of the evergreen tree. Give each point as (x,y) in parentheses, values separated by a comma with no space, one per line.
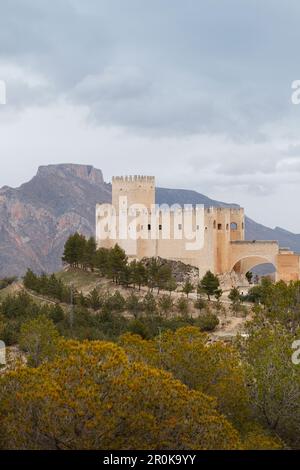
(209,284)
(114,303)
(74,250)
(171,285)
(138,273)
(30,280)
(187,287)
(94,300)
(101,260)
(183,305)
(134,305)
(89,253)
(163,277)
(234,295)
(152,273)
(117,262)
(165,304)
(249,276)
(125,277)
(56,313)
(149,304)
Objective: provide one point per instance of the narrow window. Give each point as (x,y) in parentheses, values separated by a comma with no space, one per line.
(179,226)
(149,226)
(219,226)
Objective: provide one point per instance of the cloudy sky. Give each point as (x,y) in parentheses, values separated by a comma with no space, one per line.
(195,92)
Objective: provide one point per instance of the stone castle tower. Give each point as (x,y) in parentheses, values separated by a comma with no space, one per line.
(137,189)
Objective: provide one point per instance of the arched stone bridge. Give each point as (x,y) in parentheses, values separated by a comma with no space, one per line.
(244,255)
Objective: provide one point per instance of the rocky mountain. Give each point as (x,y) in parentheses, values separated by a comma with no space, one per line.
(37,217)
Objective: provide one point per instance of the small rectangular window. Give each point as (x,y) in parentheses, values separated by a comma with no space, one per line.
(160,227)
(179,226)
(149,226)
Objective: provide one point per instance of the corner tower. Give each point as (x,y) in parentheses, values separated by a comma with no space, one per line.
(138,190)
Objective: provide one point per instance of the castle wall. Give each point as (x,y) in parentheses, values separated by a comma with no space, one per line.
(224,246)
(242,250)
(288,267)
(215,252)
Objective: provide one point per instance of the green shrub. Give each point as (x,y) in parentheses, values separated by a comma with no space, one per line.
(207,322)
(138,327)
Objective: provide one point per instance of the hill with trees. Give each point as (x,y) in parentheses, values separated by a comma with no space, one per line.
(128,361)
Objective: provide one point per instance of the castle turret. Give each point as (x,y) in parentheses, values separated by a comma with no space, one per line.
(137,189)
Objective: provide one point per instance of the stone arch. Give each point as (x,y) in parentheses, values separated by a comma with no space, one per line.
(247,254)
(247,263)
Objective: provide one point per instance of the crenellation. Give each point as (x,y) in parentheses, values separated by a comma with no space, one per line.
(133,179)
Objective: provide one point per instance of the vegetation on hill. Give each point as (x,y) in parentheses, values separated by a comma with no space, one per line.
(113,263)
(129,367)
(74,409)
(6,281)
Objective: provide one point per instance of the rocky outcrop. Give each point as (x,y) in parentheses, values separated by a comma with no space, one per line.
(181,272)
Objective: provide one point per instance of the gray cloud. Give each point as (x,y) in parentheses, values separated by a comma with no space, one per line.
(202,67)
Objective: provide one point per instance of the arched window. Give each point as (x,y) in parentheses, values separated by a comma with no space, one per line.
(233,226)
(214,224)
(227,226)
(219,226)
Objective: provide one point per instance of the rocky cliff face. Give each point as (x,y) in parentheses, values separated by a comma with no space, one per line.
(37,218)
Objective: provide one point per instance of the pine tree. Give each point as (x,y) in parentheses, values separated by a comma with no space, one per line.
(94,300)
(187,287)
(74,250)
(117,262)
(89,253)
(209,284)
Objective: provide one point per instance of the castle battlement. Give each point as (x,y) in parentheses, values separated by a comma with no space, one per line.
(133,179)
(138,189)
(224,210)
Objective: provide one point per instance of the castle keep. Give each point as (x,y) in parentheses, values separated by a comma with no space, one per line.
(223,247)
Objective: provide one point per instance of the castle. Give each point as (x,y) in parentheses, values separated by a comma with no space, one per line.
(220,233)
